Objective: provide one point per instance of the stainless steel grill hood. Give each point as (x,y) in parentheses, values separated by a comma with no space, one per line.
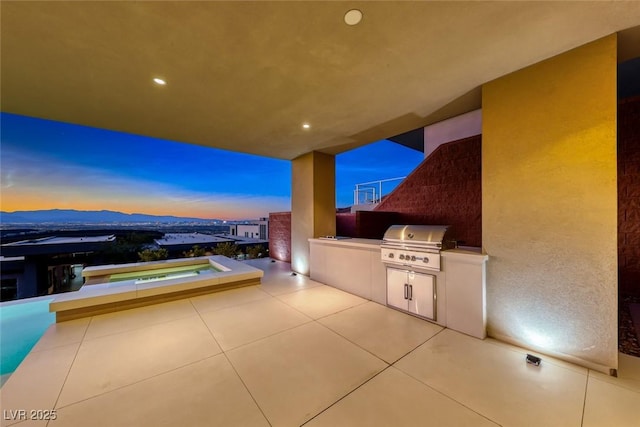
(415,246)
(419,236)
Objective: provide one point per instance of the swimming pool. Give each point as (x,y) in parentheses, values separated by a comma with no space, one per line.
(22,323)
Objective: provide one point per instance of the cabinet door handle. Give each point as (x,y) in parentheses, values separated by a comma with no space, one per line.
(406,291)
(410,292)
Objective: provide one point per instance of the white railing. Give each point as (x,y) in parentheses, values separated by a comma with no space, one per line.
(371,192)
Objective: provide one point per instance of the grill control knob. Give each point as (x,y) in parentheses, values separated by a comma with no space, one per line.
(401,256)
(391,255)
(407,257)
(425,260)
(413,258)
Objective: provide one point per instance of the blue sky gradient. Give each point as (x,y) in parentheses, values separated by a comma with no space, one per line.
(46,165)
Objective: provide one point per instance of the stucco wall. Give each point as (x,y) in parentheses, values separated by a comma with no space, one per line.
(365,224)
(313,206)
(549,212)
(453,129)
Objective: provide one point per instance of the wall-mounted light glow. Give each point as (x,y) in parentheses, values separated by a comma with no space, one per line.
(159,81)
(353,17)
(538,339)
(300,263)
(306,126)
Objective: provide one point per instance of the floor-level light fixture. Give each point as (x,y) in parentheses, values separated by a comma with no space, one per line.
(533,360)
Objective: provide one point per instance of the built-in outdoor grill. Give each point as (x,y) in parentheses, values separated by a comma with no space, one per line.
(415,246)
(411,254)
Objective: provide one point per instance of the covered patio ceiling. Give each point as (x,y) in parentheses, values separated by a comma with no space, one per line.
(245,76)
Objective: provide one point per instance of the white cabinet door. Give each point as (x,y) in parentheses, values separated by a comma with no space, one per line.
(421,301)
(412,292)
(397,288)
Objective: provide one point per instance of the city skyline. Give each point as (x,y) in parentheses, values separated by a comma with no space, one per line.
(53,165)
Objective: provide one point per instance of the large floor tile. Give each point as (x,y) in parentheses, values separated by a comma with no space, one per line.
(286,284)
(497,382)
(296,374)
(321,301)
(64,333)
(629,367)
(610,405)
(206,393)
(136,318)
(34,422)
(37,382)
(245,323)
(393,398)
(628,373)
(116,360)
(387,333)
(273,269)
(230,298)
(278,278)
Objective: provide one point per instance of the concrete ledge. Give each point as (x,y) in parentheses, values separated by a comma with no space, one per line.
(372,244)
(96,294)
(466,254)
(103,308)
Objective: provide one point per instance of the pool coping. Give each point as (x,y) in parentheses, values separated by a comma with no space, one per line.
(94,299)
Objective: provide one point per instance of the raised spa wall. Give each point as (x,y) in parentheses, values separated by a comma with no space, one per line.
(108,297)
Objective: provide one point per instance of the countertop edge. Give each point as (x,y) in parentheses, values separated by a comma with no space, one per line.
(352,242)
(471,254)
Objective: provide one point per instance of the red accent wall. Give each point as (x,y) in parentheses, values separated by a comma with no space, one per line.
(373,224)
(629,196)
(365,224)
(280,236)
(445,189)
(346,224)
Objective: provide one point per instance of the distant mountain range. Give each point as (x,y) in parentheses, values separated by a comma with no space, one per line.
(88,217)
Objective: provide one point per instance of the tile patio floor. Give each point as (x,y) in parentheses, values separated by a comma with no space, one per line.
(293,351)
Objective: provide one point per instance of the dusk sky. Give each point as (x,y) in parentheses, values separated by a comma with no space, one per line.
(49,165)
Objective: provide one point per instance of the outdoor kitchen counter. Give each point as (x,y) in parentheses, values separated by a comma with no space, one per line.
(353,265)
(465,269)
(468,254)
(349,242)
(466,250)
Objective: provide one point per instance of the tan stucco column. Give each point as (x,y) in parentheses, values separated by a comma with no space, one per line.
(313,204)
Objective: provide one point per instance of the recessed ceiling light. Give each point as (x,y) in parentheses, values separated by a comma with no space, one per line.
(306,125)
(353,17)
(159,81)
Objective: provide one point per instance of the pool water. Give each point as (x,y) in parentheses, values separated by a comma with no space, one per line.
(22,323)
(163,273)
